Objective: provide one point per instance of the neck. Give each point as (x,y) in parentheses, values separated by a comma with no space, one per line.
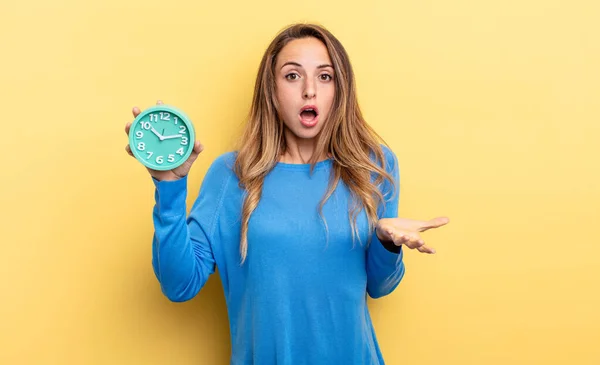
(299,150)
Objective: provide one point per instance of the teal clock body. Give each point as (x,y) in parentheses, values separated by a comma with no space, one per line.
(162,137)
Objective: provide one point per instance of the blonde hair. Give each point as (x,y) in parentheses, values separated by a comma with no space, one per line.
(345,137)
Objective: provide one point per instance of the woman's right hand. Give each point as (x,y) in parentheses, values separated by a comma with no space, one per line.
(170,175)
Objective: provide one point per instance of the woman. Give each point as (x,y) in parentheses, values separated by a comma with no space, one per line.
(301,220)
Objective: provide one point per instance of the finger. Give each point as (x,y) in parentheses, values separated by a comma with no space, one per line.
(404,239)
(426,249)
(128,149)
(136,111)
(159,102)
(398,239)
(198,148)
(414,241)
(417,242)
(434,223)
(127,128)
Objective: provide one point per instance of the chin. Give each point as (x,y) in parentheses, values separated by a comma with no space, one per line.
(304,133)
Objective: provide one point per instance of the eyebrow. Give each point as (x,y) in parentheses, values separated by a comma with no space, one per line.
(299,65)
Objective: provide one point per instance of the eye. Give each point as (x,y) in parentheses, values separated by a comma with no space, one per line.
(292,76)
(326,77)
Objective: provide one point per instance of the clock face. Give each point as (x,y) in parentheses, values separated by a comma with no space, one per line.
(161,137)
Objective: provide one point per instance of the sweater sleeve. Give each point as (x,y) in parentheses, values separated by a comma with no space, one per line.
(385,266)
(182,254)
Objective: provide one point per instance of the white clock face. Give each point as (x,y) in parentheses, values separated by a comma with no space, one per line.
(162,139)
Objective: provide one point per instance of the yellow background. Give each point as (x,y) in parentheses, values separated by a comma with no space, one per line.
(491,106)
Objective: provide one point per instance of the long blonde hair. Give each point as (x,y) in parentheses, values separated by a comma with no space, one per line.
(345,136)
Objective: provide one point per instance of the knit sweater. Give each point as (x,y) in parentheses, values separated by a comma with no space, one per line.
(301,295)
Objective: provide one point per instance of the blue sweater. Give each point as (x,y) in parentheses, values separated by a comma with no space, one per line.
(300,297)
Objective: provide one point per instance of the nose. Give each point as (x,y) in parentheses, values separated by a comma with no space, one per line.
(309,89)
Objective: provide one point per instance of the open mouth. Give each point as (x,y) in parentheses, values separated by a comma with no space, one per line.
(309,115)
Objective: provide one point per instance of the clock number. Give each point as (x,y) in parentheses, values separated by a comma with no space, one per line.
(141,146)
(146,125)
(182,129)
(184,141)
(159,159)
(150,153)
(139,134)
(165,116)
(153,116)
(175,120)
(180,151)
(171,158)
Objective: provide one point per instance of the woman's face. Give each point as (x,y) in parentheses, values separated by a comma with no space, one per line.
(304,87)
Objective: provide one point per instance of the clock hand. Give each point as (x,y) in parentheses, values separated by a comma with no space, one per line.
(173,136)
(157,134)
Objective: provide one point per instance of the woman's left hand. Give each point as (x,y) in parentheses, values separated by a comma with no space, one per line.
(404,231)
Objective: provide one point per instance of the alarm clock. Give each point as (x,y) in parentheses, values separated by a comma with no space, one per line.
(161,137)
